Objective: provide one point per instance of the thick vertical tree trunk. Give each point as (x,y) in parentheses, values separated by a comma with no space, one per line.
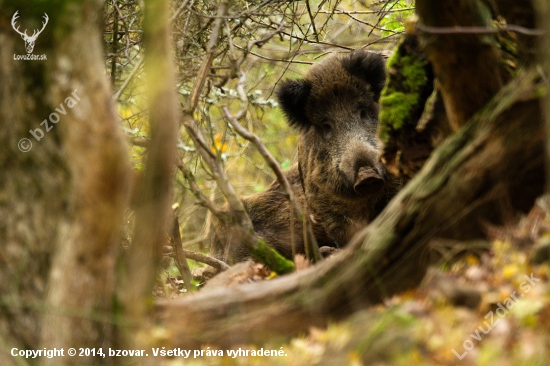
(458,59)
(30,186)
(61,203)
(154,200)
(468,69)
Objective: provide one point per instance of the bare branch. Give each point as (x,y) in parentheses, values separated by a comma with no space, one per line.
(207,63)
(268,255)
(478,30)
(216,263)
(137,66)
(195,189)
(179,256)
(205,234)
(128,79)
(362,12)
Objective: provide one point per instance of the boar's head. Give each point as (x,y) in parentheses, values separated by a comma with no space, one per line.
(335,109)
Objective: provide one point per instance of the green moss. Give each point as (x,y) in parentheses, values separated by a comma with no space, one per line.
(270,257)
(406,81)
(395,108)
(414,73)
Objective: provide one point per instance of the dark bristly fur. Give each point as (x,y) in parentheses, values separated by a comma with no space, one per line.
(343,185)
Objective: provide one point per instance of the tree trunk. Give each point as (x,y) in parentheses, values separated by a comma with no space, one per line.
(153,207)
(469,68)
(61,203)
(500,149)
(458,59)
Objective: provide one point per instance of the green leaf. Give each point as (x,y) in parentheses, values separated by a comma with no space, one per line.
(286,164)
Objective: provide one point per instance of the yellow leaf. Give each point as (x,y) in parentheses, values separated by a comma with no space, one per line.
(125,112)
(509,270)
(221,145)
(354,358)
(472,259)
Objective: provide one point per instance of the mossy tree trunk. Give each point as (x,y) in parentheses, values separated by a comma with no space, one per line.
(454,51)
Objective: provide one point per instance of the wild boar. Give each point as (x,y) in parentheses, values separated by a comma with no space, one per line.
(339,181)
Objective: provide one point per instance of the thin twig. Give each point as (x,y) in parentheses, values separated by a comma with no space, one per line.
(207,63)
(140,61)
(381,16)
(114,43)
(309,41)
(312,20)
(195,189)
(179,256)
(127,34)
(128,79)
(275,59)
(236,205)
(266,38)
(478,30)
(359,12)
(216,263)
(206,232)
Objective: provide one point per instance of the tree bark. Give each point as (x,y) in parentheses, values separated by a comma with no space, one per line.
(521,13)
(500,149)
(61,202)
(153,207)
(30,186)
(468,70)
(458,59)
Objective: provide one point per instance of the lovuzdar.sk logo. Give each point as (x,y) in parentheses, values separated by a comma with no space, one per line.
(29,40)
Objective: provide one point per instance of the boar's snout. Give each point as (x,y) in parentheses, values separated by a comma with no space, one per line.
(359,164)
(367,180)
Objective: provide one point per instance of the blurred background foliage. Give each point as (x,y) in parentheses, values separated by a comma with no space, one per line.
(268,40)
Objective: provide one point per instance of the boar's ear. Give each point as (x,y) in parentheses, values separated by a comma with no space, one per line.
(368,66)
(292,95)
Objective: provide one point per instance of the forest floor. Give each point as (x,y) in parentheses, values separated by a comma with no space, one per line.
(490,306)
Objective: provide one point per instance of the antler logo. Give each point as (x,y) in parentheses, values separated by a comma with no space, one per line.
(29,40)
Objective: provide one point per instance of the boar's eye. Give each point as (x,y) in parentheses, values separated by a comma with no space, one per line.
(327,128)
(363,114)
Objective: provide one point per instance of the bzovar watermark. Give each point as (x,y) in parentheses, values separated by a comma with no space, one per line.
(25,144)
(29,40)
(501,311)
